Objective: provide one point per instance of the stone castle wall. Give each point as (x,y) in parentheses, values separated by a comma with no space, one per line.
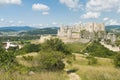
(81,31)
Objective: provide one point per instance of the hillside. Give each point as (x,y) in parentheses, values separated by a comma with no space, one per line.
(16,28)
(113,28)
(52,30)
(27,30)
(96,49)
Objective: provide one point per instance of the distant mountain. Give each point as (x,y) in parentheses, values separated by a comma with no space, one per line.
(50,30)
(113,28)
(1,33)
(16,28)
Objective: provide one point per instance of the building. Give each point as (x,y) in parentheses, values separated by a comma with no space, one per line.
(112,37)
(80,31)
(9,44)
(43,38)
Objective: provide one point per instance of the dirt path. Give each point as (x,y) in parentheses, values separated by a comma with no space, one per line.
(74,76)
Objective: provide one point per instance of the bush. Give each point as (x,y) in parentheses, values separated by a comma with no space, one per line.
(91,60)
(7,60)
(96,49)
(29,48)
(117,42)
(51,60)
(28,58)
(56,45)
(117,60)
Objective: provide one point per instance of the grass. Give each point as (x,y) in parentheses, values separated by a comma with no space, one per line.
(103,70)
(76,47)
(36,76)
(98,73)
(27,63)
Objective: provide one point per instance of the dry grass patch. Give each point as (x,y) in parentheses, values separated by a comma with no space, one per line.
(36,76)
(27,63)
(103,70)
(98,73)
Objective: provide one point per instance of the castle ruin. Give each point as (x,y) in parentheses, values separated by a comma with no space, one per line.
(80,31)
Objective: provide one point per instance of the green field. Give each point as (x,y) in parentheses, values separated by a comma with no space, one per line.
(77,47)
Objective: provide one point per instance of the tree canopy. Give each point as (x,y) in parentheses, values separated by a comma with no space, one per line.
(56,45)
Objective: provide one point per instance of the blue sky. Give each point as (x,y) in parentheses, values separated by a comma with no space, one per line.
(37,13)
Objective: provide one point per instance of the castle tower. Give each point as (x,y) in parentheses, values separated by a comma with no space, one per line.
(58,33)
(69,33)
(102,27)
(90,27)
(61,31)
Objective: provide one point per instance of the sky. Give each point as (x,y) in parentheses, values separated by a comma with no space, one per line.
(39,13)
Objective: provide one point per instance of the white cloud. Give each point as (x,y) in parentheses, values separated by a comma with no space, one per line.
(71,4)
(77,23)
(41,25)
(54,23)
(109,21)
(45,13)
(90,15)
(7,2)
(118,10)
(102,5)
(20,22)
(40,7)
(2,19)
(112,22)
(105,19)
(11,21)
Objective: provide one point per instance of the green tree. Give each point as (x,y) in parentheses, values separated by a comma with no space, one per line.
(56,45)
(96,49)
(51,60)
(117,42)
(32,48)
(7,60)
(91,60)
(117,60)
(28,49)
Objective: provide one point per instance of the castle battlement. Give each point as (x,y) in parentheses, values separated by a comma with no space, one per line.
(77,31)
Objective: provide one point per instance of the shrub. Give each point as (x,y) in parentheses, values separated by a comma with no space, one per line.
(96,49)
(7,60)
(31,48)
(117,42)
(91,60)
(117,60)
(28,58)
(51,60)
(56,45)
(69,59)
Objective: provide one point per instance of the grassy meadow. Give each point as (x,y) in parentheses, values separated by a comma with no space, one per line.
(36,76)
(76,47)
(103,70)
